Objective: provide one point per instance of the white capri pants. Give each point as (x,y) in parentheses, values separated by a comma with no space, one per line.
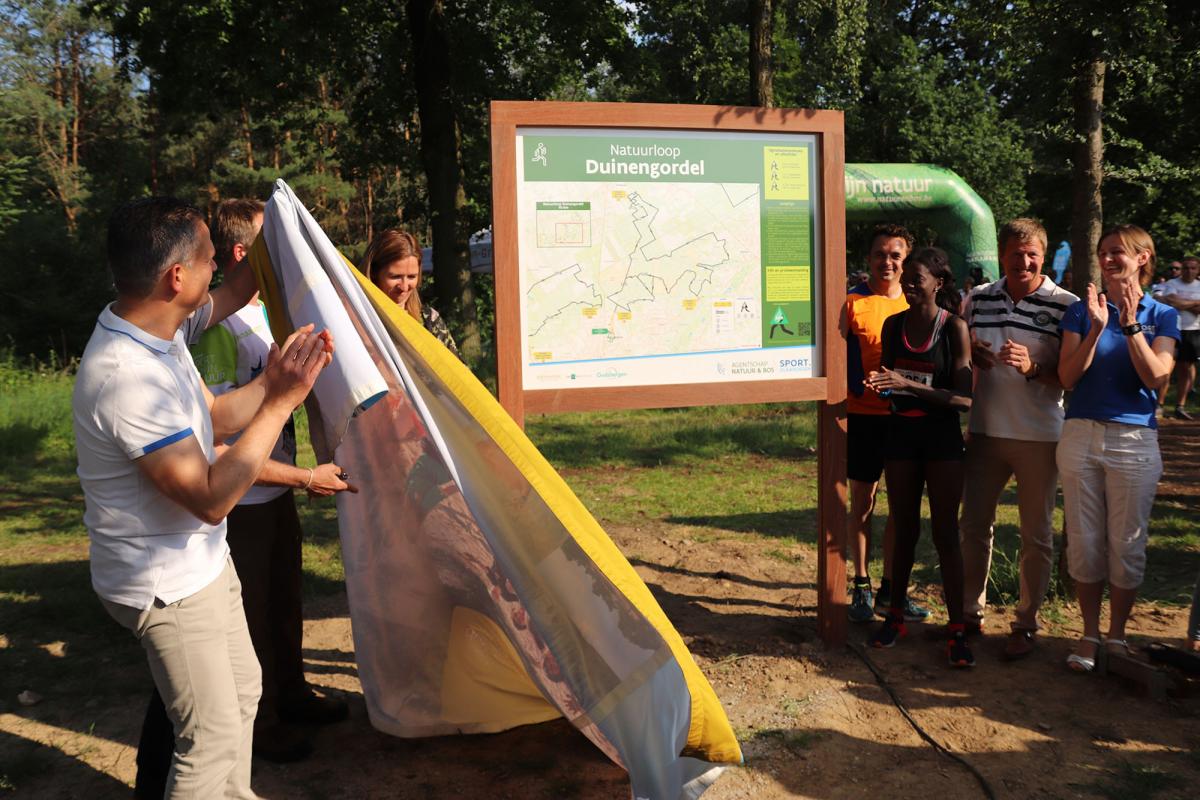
(1109,474)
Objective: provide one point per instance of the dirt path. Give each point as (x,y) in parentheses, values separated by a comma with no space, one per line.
(813,723)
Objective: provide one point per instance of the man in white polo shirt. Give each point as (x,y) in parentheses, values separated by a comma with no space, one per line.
(1183,294)
(1016,420)
(156,495)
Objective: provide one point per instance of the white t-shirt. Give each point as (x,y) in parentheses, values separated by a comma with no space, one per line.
(232,354)
(1005,404)
(135,393)
(1188,321)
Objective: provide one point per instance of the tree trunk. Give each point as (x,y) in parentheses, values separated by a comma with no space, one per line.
(441,157)
(247,139)
(762,74)
(1087,172)
(76,95)
(369,209)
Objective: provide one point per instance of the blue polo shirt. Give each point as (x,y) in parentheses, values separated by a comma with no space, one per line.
(1110,390)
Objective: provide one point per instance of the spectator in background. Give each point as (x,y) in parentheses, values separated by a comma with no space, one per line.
(867,415)
(1016,419)
(1117,353)
(393,263)
(926,374)
(1183,294)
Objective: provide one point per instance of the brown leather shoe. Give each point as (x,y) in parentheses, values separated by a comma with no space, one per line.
(1019,644)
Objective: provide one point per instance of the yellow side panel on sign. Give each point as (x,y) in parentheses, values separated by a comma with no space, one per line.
(788,284)
(785,173)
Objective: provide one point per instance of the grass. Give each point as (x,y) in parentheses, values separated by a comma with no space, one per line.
(791,739)
(1130,781)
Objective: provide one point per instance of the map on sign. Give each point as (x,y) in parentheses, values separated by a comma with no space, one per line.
(644,264)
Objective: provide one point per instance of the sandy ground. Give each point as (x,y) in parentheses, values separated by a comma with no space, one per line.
(813,722)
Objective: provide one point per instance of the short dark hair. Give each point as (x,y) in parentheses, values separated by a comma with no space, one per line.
(233,224)
(147,235)
(891,230)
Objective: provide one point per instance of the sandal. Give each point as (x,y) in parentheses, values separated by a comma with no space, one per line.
(1078,663)
(1119,646)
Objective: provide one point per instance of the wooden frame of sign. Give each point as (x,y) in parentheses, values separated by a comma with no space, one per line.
(828,383)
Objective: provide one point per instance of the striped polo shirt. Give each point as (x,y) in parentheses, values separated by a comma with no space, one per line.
(1005,405)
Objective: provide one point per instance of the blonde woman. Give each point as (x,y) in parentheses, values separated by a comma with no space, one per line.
(1118,349)
(393,263)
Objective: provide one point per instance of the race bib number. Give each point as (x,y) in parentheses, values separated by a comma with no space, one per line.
(915,371)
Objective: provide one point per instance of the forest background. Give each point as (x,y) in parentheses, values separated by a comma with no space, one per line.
(1078,112)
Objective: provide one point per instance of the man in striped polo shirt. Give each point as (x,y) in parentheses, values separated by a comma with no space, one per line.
(1016,419)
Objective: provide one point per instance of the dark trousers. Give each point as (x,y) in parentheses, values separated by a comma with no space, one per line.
(264,540)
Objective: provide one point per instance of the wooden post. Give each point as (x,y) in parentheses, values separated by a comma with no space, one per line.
(831,527)
(831,423)
(506,271)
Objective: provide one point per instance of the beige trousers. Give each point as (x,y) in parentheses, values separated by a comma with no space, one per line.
(1110,474)
(990,462)
(204,667)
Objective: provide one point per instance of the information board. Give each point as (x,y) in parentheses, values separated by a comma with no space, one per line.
(656,257)
(666,255)
(650,256)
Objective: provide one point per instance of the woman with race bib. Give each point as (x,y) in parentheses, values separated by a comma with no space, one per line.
(926,373)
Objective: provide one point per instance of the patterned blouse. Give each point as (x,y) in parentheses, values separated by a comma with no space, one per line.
(437,326)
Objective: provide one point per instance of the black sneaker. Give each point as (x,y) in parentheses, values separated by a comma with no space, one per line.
(281,743)
(1181,413)
(883,602)
(958,653)
(315,710)
(890,631)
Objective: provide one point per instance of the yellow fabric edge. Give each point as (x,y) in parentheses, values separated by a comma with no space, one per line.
(269,291)
(710,732)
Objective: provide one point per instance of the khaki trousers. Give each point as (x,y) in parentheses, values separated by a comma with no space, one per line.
(205,669)
(990,462)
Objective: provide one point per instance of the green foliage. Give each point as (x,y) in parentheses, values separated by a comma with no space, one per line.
(915,110)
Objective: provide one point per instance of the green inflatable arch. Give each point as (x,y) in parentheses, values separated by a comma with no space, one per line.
(965,225)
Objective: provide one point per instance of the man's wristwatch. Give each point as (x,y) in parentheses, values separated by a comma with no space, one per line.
(1035,372)
(1130,330)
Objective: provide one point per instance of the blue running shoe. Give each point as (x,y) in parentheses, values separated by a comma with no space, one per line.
(860,605)
(914,612)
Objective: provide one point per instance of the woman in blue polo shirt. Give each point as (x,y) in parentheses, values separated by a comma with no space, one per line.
(1118,349)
